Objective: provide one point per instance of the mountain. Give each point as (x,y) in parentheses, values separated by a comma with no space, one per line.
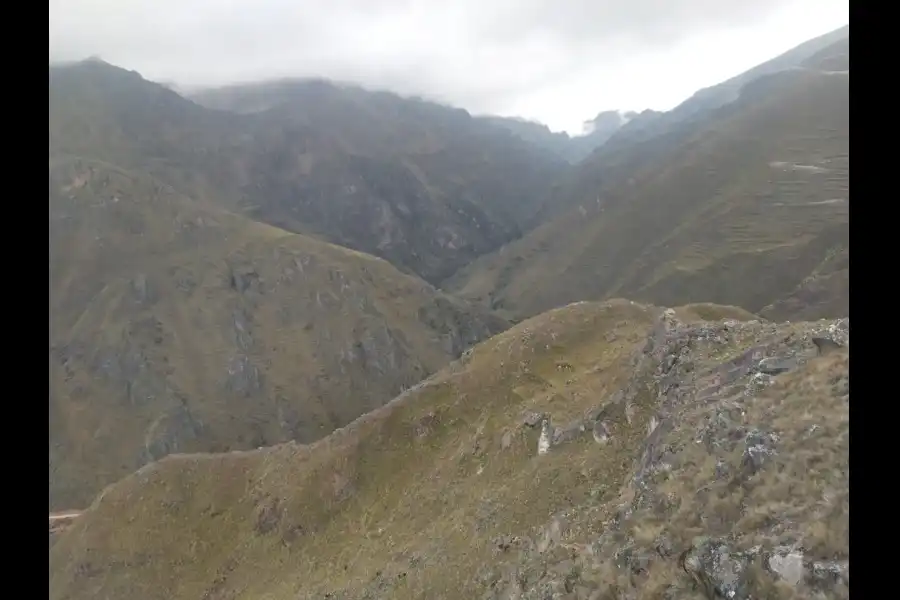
(425,186)
(466,180)
(556,142)
(178,326)
(221,372)
(572,149)
(746,206)
(728,91)
(647,136)
(605,451)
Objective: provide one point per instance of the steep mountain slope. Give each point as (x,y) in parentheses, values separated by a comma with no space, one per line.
(597,451)
(835,57)
(651,135)
(744,210)
(424,186)
(460,161)
(177,326)
(573,149)
(728,91)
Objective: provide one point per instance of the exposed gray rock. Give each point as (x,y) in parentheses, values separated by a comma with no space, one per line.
(143,292)
(759,447)
(567,433)
(601,432)
(718,570)
(545,440)
(776,366)
(826,345)
(242,336)
(682,364)
(787,564)
(839,331)
(532,419)
(758,382)
(244,279)
(826,575)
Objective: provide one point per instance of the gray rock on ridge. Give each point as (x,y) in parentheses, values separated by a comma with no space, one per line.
(742,429)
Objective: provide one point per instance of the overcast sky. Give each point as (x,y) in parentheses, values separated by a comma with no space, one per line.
(556,61)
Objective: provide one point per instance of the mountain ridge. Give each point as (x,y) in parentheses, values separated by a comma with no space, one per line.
(178,326)
(613,384)
(758,191)
(267,413)
(357,168)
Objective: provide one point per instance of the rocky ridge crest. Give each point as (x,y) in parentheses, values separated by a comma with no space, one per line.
(598,451)
(759,440)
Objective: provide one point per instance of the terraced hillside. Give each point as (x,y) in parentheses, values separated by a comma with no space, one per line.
(176,326)
(605,451)
(749,209)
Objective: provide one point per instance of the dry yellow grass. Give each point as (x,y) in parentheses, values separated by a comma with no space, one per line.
(437,473)
(441,494)
(176,326)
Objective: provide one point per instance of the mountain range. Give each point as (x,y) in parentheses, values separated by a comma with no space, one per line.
(751,209)
(310,340)
(572,149)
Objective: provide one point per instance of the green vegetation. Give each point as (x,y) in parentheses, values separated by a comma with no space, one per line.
(344,501)
(222,372)
(743,212)
(176,326)
(441,492)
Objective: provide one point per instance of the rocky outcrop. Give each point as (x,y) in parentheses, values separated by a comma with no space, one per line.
(599,451)
(726,499)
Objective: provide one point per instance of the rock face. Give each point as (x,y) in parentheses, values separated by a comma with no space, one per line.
(684,469)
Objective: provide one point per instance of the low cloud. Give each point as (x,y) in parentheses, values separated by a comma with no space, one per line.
(485,55)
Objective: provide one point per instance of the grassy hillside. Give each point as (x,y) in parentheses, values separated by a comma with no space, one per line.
(422,185)
(663,429)
(742,212)
(718,95)
(177,326)
(650,135)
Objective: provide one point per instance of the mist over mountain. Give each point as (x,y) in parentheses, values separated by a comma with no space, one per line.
(310,339)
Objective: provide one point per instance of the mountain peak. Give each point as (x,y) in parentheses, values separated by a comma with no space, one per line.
(607,121)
